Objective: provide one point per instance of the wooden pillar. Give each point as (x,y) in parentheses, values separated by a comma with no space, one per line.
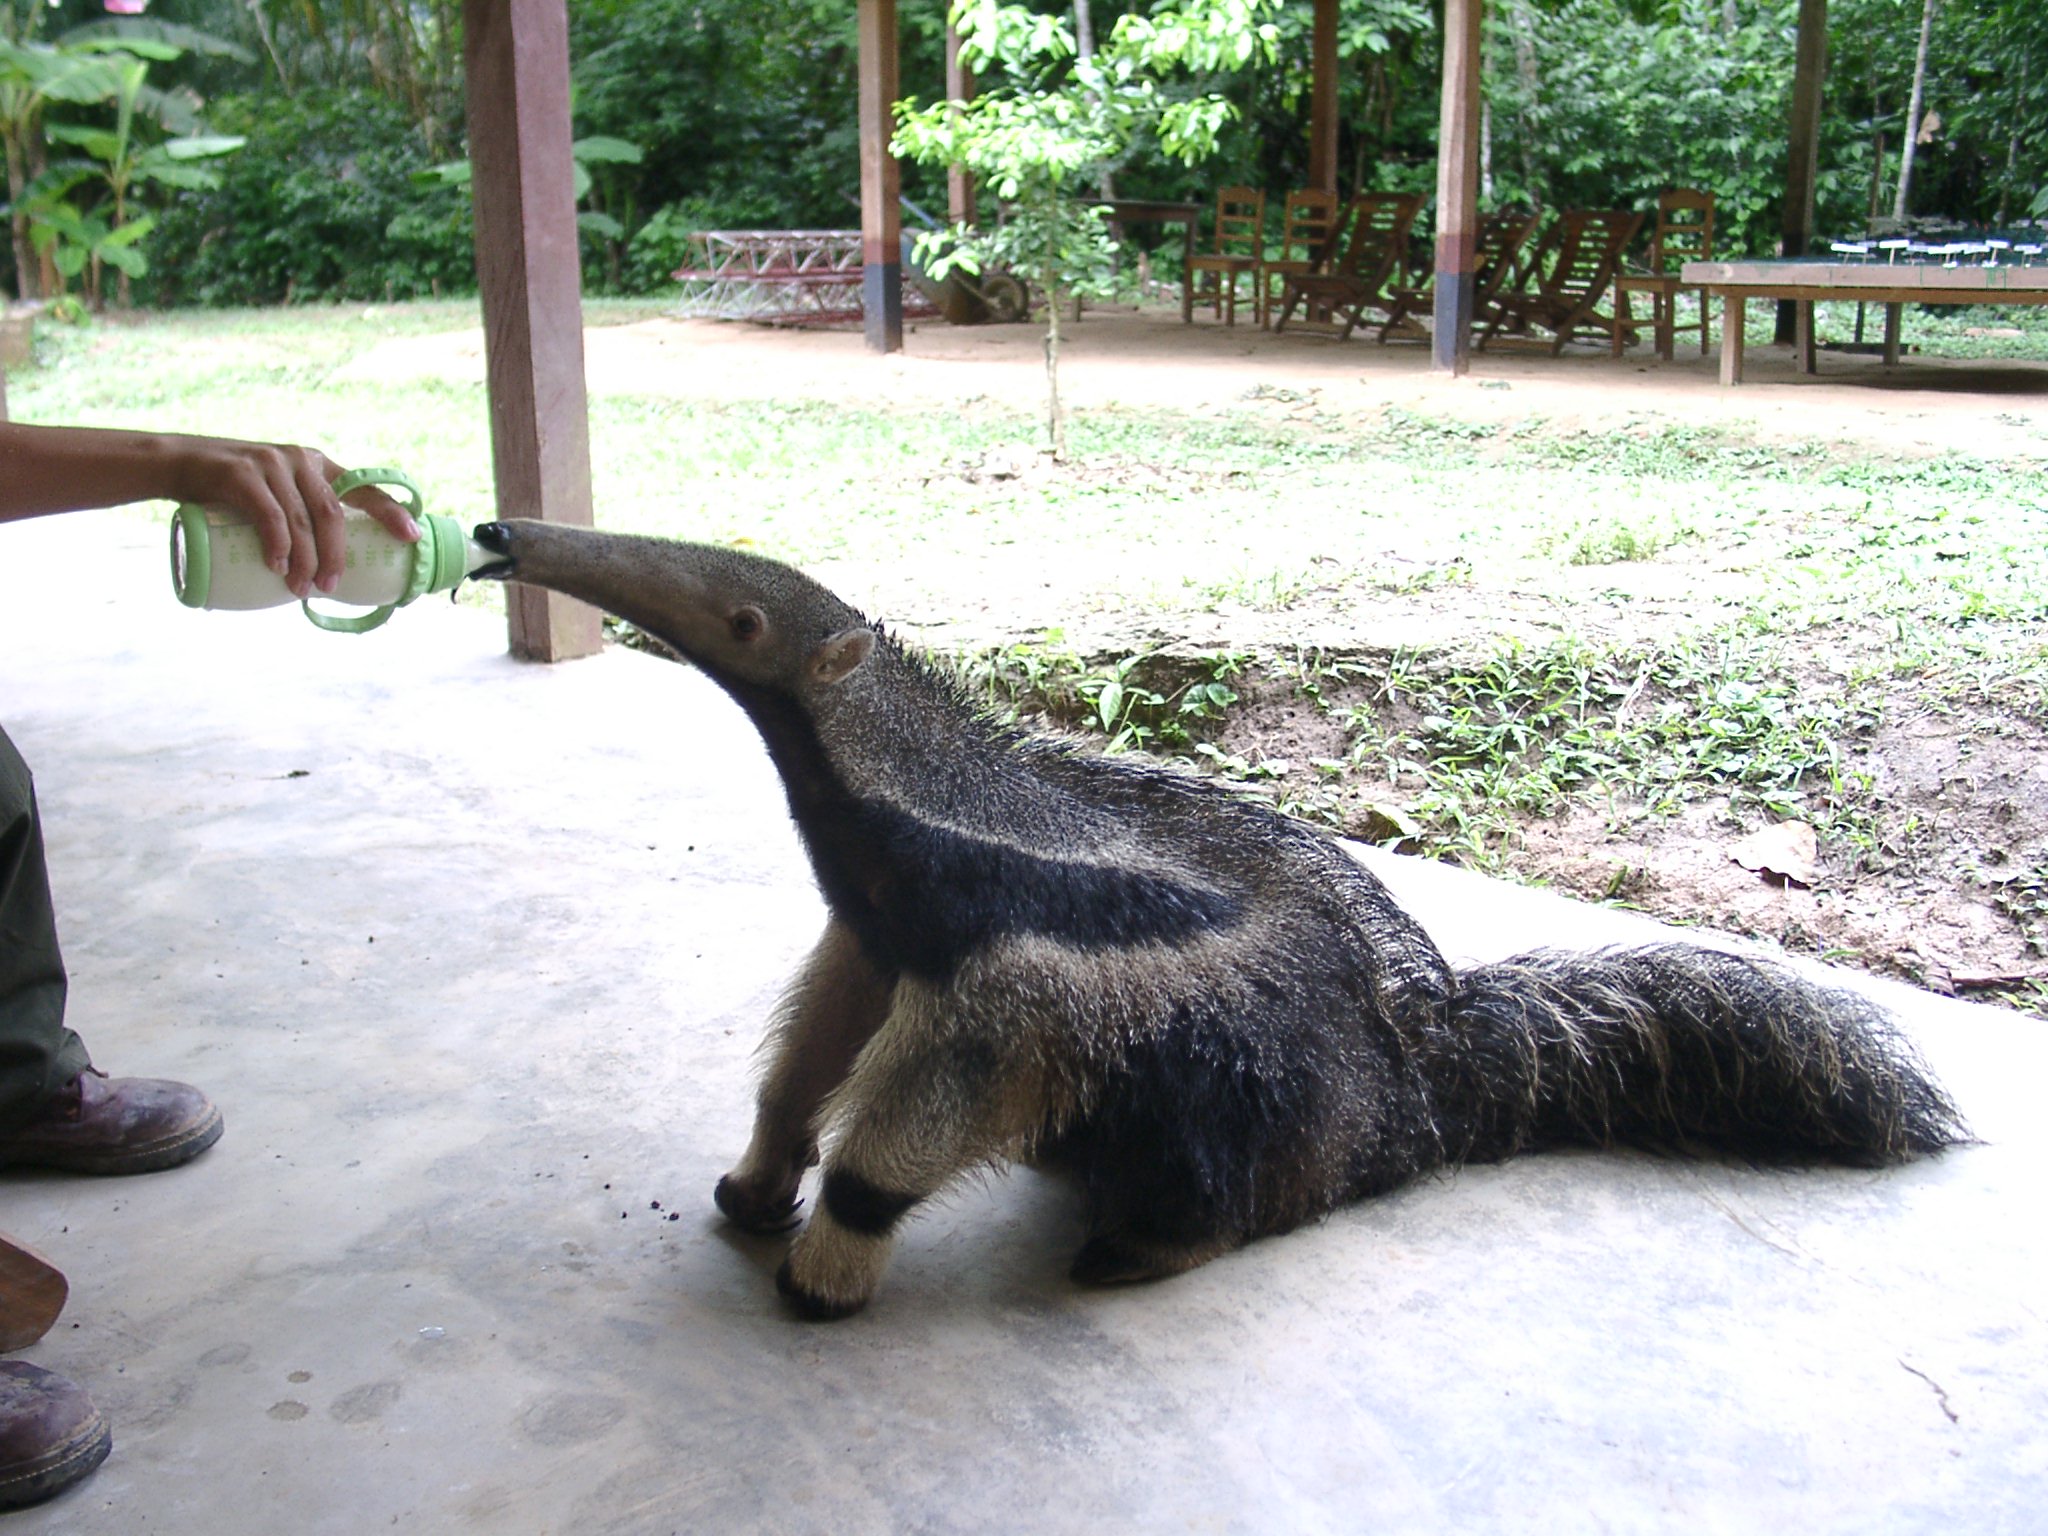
(959,87)
(1802,163)
(1732,306)
(517,58)
(1322,116)
(1457,188)
(881,237)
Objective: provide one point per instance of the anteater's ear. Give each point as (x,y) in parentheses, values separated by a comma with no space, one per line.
(841,654)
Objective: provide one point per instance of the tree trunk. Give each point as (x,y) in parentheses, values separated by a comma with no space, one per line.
(1526,71)
(1084,50)
(2012,149)
(263,35)
(1485,152)
(25,268)
(1912,138)
(1055,425)
(446,69)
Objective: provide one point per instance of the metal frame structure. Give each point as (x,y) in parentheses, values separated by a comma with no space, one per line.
(781,277)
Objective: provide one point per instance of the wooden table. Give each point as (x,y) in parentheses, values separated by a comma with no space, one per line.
(1187,215)
(1864,282)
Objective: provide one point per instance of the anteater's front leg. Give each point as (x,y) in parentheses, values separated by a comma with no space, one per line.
(927,1100)
(836,1003)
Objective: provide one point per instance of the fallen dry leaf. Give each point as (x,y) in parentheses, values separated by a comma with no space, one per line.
(1788,850)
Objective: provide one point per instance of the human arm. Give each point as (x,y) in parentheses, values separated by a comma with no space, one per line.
(285,491)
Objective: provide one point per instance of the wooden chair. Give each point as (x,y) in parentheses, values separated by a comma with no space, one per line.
(1308,239)
(1375,245)
(1502,235)
(1684,232)
(1240,247)
(1566,298)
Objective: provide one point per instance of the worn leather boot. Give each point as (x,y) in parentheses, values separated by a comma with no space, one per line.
(51,1436)
(101,1124)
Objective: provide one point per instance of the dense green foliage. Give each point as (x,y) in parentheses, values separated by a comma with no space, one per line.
(745,113)
(319,204)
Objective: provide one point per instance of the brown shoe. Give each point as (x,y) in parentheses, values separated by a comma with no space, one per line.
(51,1436)
(101,1124)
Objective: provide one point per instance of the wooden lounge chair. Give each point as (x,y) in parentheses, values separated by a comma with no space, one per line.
(1375,245)
(1240,247)
(1308,239)
(1684,232)
(1566,299)
(1502,235)
(1525,272)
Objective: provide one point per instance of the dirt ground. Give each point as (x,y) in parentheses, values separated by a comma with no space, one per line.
(1149,359)
(1949,907)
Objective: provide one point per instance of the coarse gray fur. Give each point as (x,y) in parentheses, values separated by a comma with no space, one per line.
(1209,1011)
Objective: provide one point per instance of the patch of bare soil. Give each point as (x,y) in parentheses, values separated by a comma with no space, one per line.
(1147,358)
(1951,893)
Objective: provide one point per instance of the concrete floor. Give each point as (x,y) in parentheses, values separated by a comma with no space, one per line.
(474,956)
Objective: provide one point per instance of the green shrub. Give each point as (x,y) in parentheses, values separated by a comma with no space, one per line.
(318,205)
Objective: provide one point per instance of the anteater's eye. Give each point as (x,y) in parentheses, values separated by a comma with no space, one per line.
(747,623)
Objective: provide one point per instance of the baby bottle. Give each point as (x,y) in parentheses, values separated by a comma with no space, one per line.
(217,560)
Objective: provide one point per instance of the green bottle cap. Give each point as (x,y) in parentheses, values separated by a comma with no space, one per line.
(445,553)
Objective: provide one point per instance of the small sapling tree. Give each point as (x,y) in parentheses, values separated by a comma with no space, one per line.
(1047,124)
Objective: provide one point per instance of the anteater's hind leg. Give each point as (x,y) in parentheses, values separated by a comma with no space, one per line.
(834,1006)
(1223,1122)
(1147,1216)
(1123,1257)
(924,1103)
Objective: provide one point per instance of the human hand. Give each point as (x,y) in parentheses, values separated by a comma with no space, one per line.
(287,493)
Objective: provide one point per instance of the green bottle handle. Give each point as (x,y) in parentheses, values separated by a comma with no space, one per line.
(422,557)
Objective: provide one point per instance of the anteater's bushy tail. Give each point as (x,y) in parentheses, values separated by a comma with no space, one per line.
(1675,1045)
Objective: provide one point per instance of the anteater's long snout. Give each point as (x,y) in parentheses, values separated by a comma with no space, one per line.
(688,594)
(653,582)
(497,538)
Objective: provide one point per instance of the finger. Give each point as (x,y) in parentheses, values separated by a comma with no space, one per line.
(252,495)
(285,485)
(390,515)
(326,528)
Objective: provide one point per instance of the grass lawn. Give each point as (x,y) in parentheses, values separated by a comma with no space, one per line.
(1592,659)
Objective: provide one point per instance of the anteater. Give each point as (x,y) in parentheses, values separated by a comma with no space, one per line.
(1210,1012)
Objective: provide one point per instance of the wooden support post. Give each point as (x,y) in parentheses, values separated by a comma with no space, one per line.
(1893,313)
(1731,339)
(517,58)
(1802,163)
(881,220)
(1457,189)
(1802,336)
(1322,115)
(959,87)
